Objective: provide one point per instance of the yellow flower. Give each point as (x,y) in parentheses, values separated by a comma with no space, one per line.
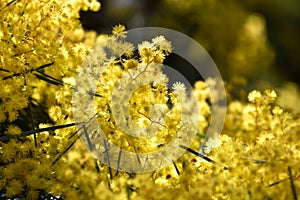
(179,90)
(119,30)
(143,122)
(130,64)
(254,96)
(163,44)
(178,87)
(146,45)
(13,130)
(95,6)
(271,95)
(277,110)
(147,55)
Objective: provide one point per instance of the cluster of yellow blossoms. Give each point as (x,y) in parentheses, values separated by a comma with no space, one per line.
(42,45)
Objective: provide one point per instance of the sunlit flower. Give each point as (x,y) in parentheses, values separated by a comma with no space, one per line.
(178,87)
(145,45)
(119,30)
(143,122)
(45,45)
(13,130)
(277,110)
(163,44)
(95,6)
(254,96)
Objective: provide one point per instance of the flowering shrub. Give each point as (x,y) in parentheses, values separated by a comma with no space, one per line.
(43,45)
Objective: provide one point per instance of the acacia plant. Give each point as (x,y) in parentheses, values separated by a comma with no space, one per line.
(42,46)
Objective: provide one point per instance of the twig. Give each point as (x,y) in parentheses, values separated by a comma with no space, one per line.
(277,182)
(70,145)
(45,77)
(28,71)
(72,135)
(176,167)
(282,180)
(22,53)
(44,66)
(137,155)
(87,137)
(4,70)
(31,115)
(197,154)
(32,121)
(97,166)
(48,78)
(8,4)
(57,82)
(6,138)
(118,163)
(58,156)
(107,157)
(146,160)
(295,196)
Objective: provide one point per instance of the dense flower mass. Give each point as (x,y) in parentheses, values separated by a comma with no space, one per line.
(42,46)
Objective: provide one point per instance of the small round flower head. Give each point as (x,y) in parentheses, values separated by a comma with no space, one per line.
(179,90)
(94,6)
(180,87)
(13,130)
(277,110)
(254,96)
(146,45)
(119,30)
(163,44)
(143,122)
(271,95)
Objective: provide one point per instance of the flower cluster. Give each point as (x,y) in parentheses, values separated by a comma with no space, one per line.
(135,109)
(140,85)
(42,47)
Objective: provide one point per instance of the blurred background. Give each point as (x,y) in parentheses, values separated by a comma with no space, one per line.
(255,44)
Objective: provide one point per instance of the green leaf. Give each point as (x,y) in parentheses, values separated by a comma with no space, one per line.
(200,135)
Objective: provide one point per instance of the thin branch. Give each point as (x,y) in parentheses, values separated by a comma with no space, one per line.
(15,75)
(51,78)
(48,80)
(28,71)
(295,196)
(22,53)
(282,180)
(107,157)
(176,168)
(58,156)
(97,166)
(6,138)
(32,121)
(197,154)
(86,123)
(57,82)
(137,155)
(8,4)
(86,134)
(45,77)
(4,70)
(73,134)
(277,182)
(146,160)
(70,145)
(44,66)
(118,163)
